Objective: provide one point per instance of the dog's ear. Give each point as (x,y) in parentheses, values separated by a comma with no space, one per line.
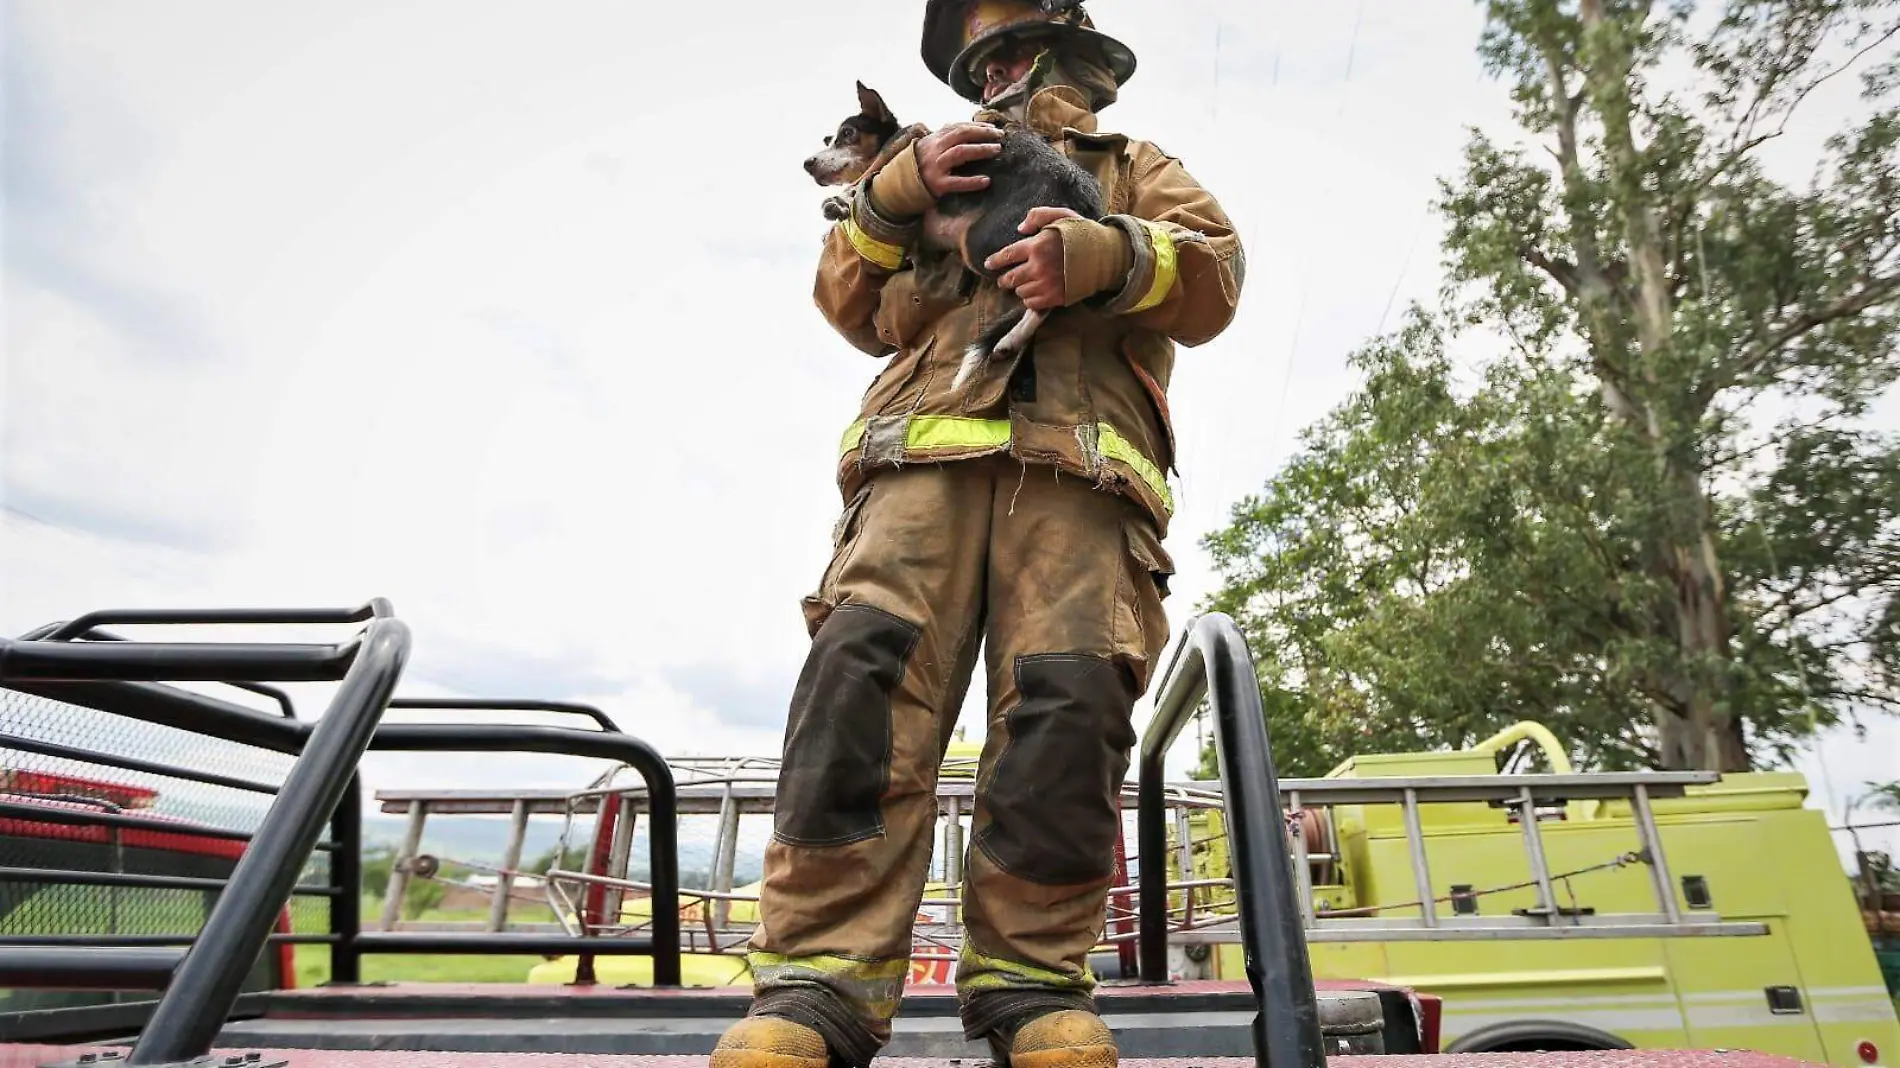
(873,106)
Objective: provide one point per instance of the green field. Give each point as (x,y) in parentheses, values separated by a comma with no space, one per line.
(313,968)
(313,961)
(92,910)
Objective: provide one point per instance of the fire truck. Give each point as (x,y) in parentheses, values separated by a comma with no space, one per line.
(1573,911)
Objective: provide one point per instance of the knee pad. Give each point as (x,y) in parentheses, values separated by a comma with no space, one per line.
(837,756)
(1054,797)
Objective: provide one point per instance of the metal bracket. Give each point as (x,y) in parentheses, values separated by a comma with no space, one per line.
(114,1058)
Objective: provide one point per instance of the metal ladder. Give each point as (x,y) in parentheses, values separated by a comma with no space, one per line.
(1523,795)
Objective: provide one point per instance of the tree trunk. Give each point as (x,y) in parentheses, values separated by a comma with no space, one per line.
(1696,732)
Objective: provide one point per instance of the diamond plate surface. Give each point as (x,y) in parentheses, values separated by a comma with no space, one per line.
(20,1056)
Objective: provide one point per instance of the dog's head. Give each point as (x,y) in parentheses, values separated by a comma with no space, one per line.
(857,141)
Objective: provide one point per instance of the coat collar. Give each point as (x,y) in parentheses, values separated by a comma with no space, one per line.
(1056,112)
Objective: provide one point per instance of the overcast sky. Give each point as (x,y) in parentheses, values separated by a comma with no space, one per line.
(503,311)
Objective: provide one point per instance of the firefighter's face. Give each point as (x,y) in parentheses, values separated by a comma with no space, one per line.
(1007,63)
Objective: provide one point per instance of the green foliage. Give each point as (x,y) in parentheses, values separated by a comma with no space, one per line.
(419,896)
(573,858)
(1877,873)
(378,861)
(1603,528)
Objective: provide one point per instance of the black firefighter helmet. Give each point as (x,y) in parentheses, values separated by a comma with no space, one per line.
(956,31)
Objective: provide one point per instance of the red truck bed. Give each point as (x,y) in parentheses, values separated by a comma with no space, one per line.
(36,1056)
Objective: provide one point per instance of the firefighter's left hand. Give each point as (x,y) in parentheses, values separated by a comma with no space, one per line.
(1033,266)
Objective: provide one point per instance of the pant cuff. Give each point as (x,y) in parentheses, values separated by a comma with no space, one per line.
(846,1037)
(999,1014)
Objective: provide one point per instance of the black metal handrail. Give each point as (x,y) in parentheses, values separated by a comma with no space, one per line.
(202,982)
(662,839)
(46,661)
(1212,661)
(206,983)
(377,608)
(279,697)
(203,714)
(465,704)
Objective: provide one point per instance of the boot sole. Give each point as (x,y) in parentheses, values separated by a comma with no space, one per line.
(1068,1057)
(760,1058)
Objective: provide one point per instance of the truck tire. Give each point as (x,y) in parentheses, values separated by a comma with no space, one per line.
(1537,1036)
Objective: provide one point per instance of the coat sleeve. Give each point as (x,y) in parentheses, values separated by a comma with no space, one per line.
(862,253)
(1188,265)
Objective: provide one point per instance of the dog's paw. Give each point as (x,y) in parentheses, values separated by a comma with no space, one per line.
(1018,338)
(837,209)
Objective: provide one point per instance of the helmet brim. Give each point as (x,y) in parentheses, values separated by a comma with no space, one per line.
(1120,58)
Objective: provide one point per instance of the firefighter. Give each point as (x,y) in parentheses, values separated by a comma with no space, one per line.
(1024,513)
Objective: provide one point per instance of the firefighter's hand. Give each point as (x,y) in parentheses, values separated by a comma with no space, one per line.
(1032,268)
(942,151)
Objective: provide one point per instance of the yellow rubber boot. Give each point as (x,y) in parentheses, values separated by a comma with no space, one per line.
(1068,1038)
(769,1042)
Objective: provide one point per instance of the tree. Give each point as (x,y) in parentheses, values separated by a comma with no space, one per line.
(378,861)
(573,858)
(419,895)
(1885,796)
(1601,530)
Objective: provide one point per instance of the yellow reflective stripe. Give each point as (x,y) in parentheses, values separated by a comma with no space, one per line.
(976,972)
(959,432)
(956,432)
(939,432)
(875,984)
(1116,447)
(1166,268)
(833,964)
(889,257)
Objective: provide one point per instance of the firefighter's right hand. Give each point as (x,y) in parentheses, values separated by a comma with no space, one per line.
(942,151)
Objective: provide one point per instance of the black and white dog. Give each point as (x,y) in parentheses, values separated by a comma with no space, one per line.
(1028,173)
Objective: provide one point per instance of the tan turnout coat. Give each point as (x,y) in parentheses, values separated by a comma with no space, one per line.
(1096,402)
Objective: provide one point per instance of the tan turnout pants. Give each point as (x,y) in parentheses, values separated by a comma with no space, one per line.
(1063,584)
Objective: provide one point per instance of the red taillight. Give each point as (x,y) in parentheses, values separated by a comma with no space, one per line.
(1869,1053)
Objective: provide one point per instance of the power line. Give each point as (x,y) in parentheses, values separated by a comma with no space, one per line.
(1352,47)
(1352,52)
(1286,382)
(1219,31)
(1404,268)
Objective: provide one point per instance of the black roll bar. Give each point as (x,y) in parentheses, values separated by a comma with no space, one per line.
(377,608)
(207,982)
(662,836)
(463,704)
(57,661)
(88,967)
(346,874)
(201,984)
(1212,661)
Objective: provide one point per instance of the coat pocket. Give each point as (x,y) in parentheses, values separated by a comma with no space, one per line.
(818,604)
(1141,621)
(908,303)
